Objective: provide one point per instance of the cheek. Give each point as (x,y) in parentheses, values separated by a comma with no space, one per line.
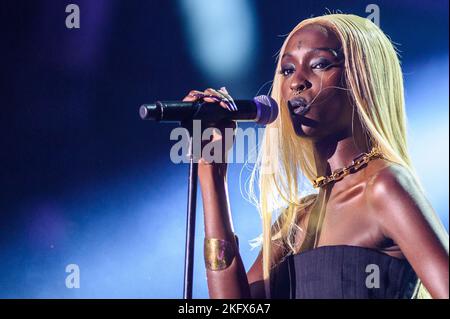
(336,76)
(285,90)
(332,109)
(330,93)
(335,114)
(327,82)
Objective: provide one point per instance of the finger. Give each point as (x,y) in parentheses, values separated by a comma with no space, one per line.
(193,95)
(224,105)
(224,102)
(217,92)
(229,105)
(228,97)
(220,96)
(210,91)
(194,92)
(209,100)
(197,94)
(213,98)
(224,92)
(188,98)
(224,89)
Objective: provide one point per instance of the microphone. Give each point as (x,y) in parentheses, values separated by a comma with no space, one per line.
(261,109)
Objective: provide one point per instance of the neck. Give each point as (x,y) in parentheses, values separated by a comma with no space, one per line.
(335,152)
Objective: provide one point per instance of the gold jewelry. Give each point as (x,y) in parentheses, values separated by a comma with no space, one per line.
(219,253)
(357,163)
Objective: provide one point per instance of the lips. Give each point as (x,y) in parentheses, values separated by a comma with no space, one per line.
(298,106)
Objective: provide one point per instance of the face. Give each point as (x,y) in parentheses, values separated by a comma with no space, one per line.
(313,84)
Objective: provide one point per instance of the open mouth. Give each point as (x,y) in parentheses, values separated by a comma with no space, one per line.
(299,106)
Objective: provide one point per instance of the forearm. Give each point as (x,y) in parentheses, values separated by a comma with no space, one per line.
(230,282)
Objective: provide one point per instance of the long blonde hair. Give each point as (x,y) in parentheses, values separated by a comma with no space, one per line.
(374,80)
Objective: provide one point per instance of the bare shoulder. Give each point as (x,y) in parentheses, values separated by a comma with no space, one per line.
(390,185)
(395,198)
(391,175)
(392,181)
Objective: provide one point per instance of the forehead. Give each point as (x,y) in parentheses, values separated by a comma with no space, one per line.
(312,36)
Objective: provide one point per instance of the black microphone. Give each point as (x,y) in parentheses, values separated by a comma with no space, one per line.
(262,110)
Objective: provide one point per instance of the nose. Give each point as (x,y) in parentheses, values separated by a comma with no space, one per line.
(300,84)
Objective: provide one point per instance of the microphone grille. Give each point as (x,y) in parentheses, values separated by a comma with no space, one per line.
(267,109)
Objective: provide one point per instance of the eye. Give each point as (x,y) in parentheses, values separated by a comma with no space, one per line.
(321,65)
(286,71)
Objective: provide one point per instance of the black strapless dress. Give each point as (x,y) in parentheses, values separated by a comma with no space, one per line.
(342,272)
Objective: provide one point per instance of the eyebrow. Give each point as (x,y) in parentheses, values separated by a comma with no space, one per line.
(335,52)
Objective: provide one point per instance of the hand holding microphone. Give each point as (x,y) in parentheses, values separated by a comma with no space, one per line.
(211,95)
(214,108)
(226,102)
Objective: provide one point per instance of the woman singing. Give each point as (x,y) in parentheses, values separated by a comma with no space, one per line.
(368,232)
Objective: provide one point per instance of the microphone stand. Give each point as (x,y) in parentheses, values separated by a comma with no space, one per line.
(190,218)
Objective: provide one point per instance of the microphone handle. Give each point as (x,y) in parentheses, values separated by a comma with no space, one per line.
(176,111)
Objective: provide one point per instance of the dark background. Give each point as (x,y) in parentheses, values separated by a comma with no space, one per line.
(84,181)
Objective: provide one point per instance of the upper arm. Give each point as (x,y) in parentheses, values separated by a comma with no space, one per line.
(255,275)
(405,216)
(256,278)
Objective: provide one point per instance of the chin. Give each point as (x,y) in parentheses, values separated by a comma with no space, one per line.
(308,132)
(306,127)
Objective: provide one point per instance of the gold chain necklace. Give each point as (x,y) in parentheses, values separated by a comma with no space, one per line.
(357,163)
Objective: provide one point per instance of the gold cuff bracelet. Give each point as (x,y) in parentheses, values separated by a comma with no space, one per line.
(219,253)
